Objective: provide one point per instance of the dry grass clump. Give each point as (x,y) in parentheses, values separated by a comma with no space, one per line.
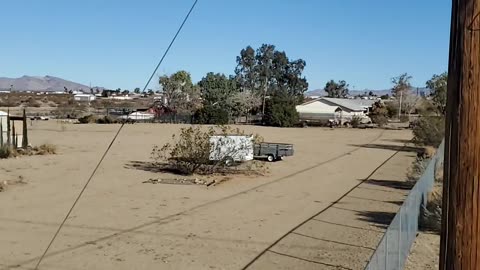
(45,149)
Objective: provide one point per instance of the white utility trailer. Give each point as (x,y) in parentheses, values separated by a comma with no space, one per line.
(231,148)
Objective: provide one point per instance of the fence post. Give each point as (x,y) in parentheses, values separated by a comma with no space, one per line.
(399,237)
(386,249)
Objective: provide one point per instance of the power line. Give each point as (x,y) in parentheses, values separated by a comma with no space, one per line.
(170,45)
(111,144)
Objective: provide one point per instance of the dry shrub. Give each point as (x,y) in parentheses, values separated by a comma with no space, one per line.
(89,119)
(431,218)
(191,152)
(429,131)
(7,152)
(45,149)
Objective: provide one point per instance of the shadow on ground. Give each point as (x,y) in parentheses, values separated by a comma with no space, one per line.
(398,141)
(376,218)
(399,148)
(151,167)
(390,183)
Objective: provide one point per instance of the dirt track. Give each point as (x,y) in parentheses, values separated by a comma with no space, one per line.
(121,223)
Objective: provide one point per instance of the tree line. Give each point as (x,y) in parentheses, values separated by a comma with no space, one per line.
(265,83)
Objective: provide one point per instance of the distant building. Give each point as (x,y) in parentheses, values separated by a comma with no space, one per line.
(340,109)
(84,97)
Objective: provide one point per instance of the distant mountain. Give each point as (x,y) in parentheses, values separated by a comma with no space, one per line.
(321,92)
(36,83)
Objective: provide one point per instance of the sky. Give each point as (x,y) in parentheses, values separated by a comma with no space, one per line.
(117,44)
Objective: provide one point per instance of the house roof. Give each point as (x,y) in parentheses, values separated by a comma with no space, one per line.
(352,104)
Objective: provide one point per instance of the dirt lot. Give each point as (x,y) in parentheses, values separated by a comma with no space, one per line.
(122,223)
(425,252)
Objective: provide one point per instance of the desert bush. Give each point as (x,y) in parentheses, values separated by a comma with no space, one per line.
(7,151)
(392,109)
(356,121)
(88,119)
(416,169)
(431,216)
(106,120)
(215,115)
(33,103)
(190,152)
(404,118)
(379,114)
(429,131)
(45,149)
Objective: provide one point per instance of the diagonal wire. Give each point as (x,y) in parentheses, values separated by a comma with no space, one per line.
(170,45)
(110,145)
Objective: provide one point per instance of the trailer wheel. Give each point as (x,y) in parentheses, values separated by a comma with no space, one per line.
(270,158)
(228,161)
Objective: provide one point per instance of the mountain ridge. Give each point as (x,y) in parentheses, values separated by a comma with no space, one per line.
(46,83)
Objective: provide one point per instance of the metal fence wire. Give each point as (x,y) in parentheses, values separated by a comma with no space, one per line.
(394,248)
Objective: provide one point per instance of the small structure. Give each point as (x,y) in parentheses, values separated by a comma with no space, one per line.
(3,124)
(340,110)
(139,116)
(14,135)
(84,97)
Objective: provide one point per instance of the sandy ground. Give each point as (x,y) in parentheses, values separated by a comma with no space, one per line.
(424,253)
(121,223)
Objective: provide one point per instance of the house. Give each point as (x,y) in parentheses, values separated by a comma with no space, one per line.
(139,116)
(3,121)
(84,97)
(325,109)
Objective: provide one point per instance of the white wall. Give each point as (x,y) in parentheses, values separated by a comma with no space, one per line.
(316,107)
(3,120)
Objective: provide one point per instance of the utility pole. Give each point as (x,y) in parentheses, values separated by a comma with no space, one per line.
(460,236)
(400,106)
(264,96)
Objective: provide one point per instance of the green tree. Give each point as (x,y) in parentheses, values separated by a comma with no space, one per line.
(268,71)
(379,113)
(401,84)
(438,85)
(136,90)
(218,93)
(336,89)
(180,93)
(280,111)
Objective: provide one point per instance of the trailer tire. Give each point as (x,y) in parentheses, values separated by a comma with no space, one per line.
(270,158)
(228,161)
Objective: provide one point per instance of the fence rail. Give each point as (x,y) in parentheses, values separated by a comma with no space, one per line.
(394,248)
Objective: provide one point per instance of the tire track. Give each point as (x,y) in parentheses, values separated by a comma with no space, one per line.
(332,204)
(176,216)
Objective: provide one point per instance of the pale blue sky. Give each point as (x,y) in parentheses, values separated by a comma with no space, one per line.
(118,43)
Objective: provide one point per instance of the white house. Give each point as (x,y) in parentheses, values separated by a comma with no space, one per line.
(339,109)
(3,121)
(139,116)
(84,97)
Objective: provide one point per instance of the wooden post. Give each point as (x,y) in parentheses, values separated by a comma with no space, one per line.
(460,236)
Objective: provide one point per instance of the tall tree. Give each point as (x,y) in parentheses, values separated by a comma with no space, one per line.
(136,90)
(217,89)
(438,86)
(401,84)
(267,72)
(336,89)
(180,93)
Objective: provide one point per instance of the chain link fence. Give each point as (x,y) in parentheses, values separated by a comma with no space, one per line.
(394,248)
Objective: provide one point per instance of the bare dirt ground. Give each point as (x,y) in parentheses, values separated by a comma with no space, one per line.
(122,223)
(424,253)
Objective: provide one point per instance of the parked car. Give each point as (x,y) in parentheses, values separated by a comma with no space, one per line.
(273,151)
